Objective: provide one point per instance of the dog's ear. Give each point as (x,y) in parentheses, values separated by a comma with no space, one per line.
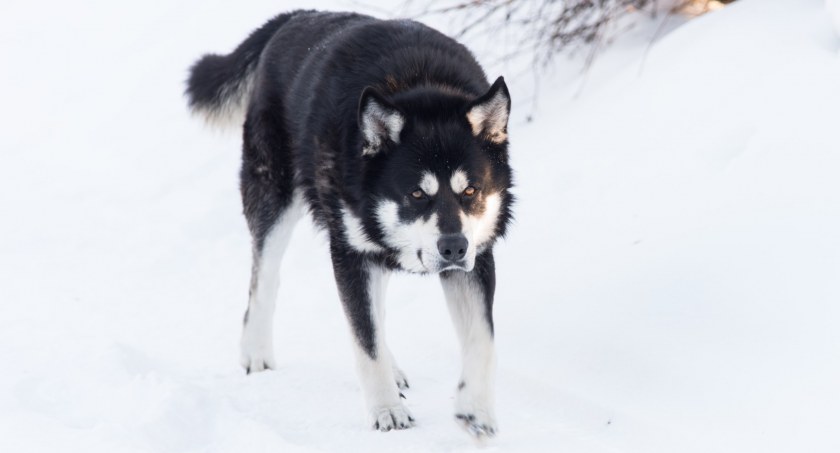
(488,115)
(379,121)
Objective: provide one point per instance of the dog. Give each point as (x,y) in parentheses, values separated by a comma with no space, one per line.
(389,134)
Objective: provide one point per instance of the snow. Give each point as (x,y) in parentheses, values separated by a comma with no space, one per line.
(833,9)
(670,284)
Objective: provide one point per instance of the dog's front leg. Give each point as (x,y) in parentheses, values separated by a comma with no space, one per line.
(469,296)
(361,286)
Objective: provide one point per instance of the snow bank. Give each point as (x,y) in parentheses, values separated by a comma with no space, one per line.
(694,214)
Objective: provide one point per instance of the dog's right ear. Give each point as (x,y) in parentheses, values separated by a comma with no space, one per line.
(379,121)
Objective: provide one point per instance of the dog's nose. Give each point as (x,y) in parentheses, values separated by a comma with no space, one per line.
(452,247)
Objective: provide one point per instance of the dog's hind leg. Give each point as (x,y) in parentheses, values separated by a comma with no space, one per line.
(272,209)
(257,351)
(361,286)
(469,296)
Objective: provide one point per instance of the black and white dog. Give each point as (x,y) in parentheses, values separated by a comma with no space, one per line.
(389,134)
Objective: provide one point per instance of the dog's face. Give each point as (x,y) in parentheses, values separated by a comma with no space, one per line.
(437,176)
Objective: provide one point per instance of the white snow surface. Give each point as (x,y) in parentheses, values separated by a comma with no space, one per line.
(671,282)
(833,9)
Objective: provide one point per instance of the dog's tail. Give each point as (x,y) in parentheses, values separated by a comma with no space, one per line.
(219,87)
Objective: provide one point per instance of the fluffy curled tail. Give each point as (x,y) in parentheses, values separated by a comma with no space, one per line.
(219,86)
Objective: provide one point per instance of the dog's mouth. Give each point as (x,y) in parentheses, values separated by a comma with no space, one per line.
(442,266)
(462,266)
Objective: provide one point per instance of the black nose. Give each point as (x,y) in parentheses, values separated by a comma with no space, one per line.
(452,247)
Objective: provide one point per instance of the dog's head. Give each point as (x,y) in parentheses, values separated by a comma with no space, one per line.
(435,178)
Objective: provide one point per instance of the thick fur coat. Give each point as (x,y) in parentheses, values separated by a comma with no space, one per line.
(389,134)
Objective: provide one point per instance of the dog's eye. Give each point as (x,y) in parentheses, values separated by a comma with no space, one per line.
(418,194)
(470,191)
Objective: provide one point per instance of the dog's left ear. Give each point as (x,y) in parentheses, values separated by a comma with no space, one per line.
(379,121)
(488,115)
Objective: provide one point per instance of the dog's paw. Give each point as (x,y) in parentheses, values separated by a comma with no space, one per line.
(256,357)
(257,364)
(394,417)
(402,381)
(478,424)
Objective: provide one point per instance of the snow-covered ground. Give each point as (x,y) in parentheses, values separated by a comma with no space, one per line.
(671,283)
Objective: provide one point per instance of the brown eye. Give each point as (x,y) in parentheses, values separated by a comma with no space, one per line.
(417,194)
(469,191)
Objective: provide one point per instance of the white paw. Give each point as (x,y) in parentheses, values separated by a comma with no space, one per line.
(256,355)
(474,409)
(394,417)
(480,424)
